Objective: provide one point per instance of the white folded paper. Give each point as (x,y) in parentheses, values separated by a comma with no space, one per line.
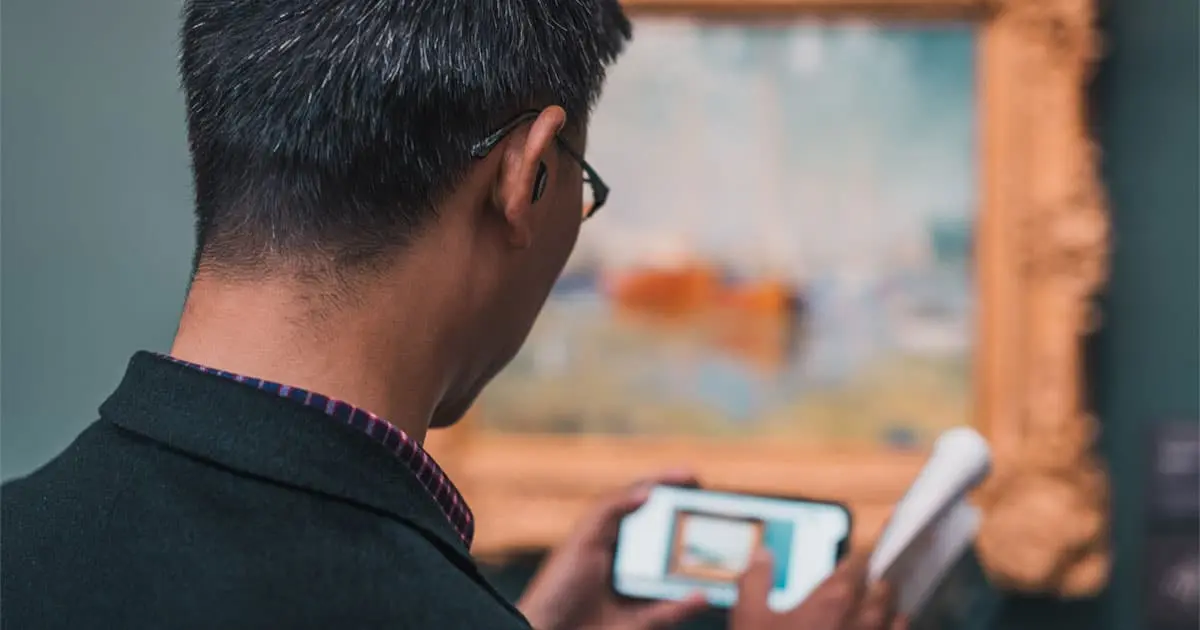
(933,525)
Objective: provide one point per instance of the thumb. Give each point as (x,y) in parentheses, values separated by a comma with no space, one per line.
(755,584)
(665,615)
(603,524)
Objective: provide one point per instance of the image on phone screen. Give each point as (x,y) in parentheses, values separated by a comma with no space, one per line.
(685,540)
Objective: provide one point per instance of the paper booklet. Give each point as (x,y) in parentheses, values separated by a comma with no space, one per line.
(933,525)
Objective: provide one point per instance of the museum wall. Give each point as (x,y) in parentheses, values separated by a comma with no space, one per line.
(94,154)
(1146,363)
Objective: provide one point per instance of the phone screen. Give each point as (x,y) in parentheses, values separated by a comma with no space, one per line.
(685,540)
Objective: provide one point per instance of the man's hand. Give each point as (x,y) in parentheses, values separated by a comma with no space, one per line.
(573,589)
(842,602)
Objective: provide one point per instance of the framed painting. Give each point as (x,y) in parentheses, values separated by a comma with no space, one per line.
(837,228)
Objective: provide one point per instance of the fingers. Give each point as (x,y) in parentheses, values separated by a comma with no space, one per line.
(836,601)
(848,580)
(604,524)
(900,623)
(755,584)
(674,477)
(664,615)
(878,609)
(632,497)
(854,568)
(850,576)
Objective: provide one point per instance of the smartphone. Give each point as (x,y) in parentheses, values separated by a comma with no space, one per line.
(684,540)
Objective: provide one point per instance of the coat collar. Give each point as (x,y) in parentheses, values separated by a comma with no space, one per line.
(264,435)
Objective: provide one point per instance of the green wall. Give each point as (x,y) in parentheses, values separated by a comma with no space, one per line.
(1146,361)
(96,236)
(96,239)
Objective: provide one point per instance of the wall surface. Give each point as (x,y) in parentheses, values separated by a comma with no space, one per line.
(1146,366)
(96,237)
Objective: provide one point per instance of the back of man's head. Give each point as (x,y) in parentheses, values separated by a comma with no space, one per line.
(331,129)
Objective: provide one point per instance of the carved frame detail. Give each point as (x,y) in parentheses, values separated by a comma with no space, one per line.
(1042,255)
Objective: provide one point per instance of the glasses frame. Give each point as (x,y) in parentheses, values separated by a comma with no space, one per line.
(600,190)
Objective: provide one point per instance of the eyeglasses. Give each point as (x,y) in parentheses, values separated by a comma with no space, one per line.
(595,193)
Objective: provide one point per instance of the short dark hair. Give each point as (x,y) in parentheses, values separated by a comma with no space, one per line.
(335,126)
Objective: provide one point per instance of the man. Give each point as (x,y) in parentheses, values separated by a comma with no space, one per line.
(385,192)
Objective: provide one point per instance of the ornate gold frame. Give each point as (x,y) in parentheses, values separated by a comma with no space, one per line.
(1042,254)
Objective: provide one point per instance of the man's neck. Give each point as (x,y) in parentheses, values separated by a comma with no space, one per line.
(362,356)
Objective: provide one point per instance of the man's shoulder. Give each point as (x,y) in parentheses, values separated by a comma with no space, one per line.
(121,529)
(318,571)
(59,508)
(425,594)
(83,473)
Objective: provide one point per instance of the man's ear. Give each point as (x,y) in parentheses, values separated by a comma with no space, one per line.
(529,164)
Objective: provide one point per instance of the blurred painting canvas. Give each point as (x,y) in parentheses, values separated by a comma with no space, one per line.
(787,250)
